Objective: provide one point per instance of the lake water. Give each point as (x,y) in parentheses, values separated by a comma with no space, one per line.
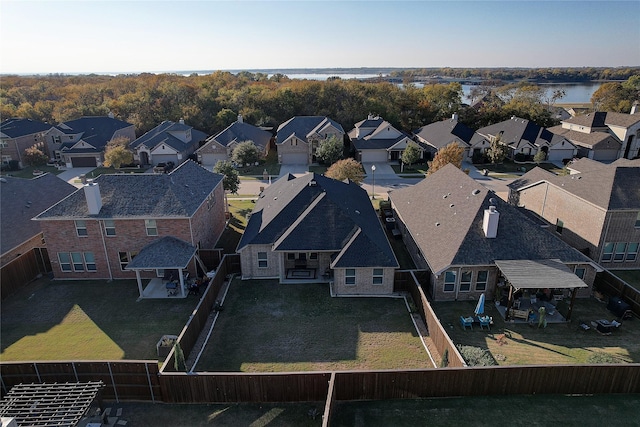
(576,93)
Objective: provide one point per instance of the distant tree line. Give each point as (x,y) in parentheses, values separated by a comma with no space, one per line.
(211,102)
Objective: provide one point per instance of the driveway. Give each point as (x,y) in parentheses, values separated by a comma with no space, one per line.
(295,170)
(383,171)
(71,175)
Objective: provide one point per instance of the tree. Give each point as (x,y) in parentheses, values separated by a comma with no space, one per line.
(411,154)
(540,156)
(34,157)
(346,169)
(117,154)
(451,153)
(245,152)
(497,151)
(230,182)
(330,150)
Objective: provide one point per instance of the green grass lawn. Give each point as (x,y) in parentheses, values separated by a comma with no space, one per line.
(27,172)
(87,320)
(418,169)
(632,277)
(559,343)
(267,327)
(233,232)
(509,167)
(489,411)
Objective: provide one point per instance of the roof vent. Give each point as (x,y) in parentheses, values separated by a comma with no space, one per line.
(475,192)
(444,197)
(451,205)
(437,224)
(312,183)
(357,211)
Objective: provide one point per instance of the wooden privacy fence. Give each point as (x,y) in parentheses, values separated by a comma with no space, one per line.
(198,319)
(437,333)
(124,380)
(612,285)
(23,270)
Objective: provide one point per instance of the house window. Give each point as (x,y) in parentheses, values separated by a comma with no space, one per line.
(90,261)
(580,272)
(481,280)
(621,248)
(262,260)
(378,275)
(109,227)
(607,254)
(632,252)
(465,281)
(210,202)
(126,258)
(350,276)
(313,255)
(559,226)
(65,261)
(151,226)
(6,159)
(637,225)
(81,228)
(77,261)
(291,256)
(4,144)
(449,281)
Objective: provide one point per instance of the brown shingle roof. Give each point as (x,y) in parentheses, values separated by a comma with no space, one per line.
(593,140)
(622,119)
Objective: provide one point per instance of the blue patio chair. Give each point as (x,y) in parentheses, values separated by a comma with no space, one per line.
(485,322)
(466,322)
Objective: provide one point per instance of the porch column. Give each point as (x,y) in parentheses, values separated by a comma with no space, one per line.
(139,282)
(574,291)
(509,303)
(181,282)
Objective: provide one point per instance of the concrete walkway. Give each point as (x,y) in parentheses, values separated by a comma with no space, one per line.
(295,170)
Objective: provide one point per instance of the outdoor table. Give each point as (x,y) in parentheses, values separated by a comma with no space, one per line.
(604,326)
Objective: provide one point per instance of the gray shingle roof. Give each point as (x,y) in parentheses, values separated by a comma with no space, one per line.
(441,134)
(22,199)
(515,131)
(612,187)
(177,194)
(377,143)
(239,132)
(313,212)
(165,253)
(95,130)
(301,126)
(444,215)
(16,127)
(161,134)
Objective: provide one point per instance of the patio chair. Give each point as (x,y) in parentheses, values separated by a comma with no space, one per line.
(485,322)
(466,322)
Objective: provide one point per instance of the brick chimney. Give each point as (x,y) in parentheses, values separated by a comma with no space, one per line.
(240,119)
(92,194)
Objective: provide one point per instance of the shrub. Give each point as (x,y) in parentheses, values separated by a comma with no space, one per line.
(520,157)
(476,356)
(601,357)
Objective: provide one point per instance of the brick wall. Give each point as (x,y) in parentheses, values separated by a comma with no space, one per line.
(364,282)
(208,222)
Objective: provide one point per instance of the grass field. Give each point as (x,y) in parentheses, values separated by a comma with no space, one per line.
(27,172)
(267,327)
(233,232)
(87,320)
(558,343)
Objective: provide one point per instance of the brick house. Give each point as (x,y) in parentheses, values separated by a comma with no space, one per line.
(471,241)
(316,229)
(298,138)
(16,135)
(96,231)
(21,200)
(596,209)
(375,140)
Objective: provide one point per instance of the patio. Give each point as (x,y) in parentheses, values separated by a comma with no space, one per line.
(157,289)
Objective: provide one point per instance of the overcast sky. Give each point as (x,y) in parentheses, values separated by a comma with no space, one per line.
(154,36)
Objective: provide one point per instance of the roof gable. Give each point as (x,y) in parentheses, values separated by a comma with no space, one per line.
(303,126)
(441,134)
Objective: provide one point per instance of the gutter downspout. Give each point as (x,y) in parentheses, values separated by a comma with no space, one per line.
(458,276)
(104,245)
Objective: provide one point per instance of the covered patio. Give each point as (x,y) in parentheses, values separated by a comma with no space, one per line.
(167,254)
(532,284)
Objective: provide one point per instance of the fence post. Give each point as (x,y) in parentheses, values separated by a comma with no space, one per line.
(73,365)
(113,383)
(35,366)
(146,367)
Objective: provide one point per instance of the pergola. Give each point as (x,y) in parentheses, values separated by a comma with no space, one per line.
(539,274)
(57,404)
(167,253)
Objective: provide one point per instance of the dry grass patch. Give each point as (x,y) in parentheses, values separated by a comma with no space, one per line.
(267,327)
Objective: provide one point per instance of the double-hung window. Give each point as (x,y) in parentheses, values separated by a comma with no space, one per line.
(81,228)
(65,261)
(378,276)
(350,276)
(151,226)
(481,280)
(262,260)
(109,227)
(465,281)
(621,248)
(450,281)
(580,272)
(125,259)
(632,251)
(607,254)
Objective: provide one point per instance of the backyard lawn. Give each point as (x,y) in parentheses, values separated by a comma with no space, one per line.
(267,327)
(233,232)
(87,320)
(558,343)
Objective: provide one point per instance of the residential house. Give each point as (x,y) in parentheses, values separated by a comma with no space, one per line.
(596,209)
(82,142)
(470,240)
(375,140)
(220,146)
(21,200)
(298,138)
(167,142)
(591,136)
(525,138)
(16,135)
(438,135)
(99,229)
(314,228)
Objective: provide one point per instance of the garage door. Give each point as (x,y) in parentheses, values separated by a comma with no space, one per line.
(212,159)
(164,158)
(374,156)
(83,162)
(558,155)
(294,159)
(605,155)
